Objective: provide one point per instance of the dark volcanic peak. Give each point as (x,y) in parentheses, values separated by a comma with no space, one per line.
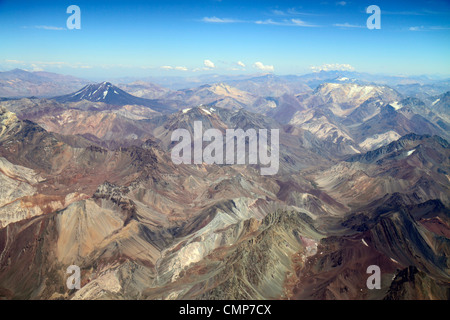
(108,93)
(99,92)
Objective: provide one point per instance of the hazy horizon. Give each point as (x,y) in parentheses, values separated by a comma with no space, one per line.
(179,38)
(149,77)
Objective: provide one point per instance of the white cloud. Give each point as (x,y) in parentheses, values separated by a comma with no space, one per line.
(174,68)
(301,23)
(284,22)
(332,66)
(261,66)
(291,22)
(439,28)
(219,20)
(56,63)
(36,68)
(408,13)
(268,21)
(347,25)
(15,61)
(241,64)
(292,12)
(341,3)
(209,64)
(48,28)
(422,28)
(44,65)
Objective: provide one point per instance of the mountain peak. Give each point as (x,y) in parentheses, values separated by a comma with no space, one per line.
(108,93)
(100,92)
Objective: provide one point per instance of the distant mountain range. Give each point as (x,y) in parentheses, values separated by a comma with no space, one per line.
(21,83)
(345,115)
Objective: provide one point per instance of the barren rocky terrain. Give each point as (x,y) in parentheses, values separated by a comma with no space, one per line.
(87,179)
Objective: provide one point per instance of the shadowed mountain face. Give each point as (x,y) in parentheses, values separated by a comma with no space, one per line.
(87,179)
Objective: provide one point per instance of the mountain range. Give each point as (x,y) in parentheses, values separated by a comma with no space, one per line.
(21,83)
(87,179)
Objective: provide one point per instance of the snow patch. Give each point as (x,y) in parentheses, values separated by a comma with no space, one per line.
(186,110)
(394,260)
(435,102)
(206,111)
(76,93)
(365,243)
(379,140)
(395,105)
(354,149)
(377,111)
(410,152)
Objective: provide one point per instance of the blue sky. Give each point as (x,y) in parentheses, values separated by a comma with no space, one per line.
(185,38)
